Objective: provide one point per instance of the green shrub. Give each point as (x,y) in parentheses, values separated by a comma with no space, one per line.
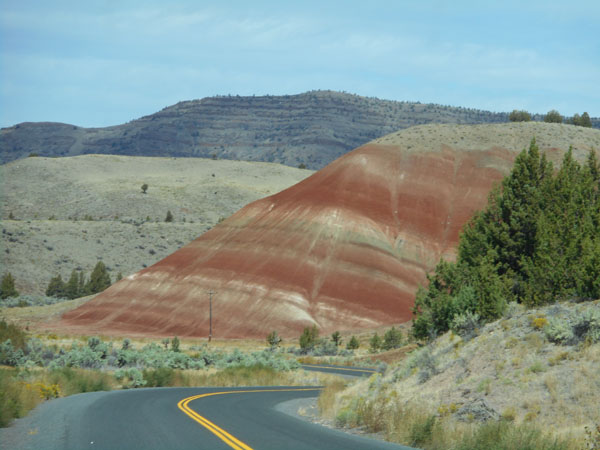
(308,339)
(163,376)
(392,339)
(466,324)
(578,327)
(422,431)
(519,116)
(7,286)
(273,340)
(504,435)
(131,378)
(353,343)
(11,331)
(375,343)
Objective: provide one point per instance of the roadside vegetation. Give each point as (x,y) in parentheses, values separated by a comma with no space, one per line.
(33,370)
(508,334)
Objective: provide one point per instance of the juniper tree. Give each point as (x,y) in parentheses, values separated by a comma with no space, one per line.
(99,279)
(553,116)
(56,287)
(7,287)
(72,286)
(353,343)
(336,338)
(537,241)
(308,339)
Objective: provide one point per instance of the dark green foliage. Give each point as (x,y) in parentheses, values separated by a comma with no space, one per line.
(537,241)
(273,339)
(308,339)
(392,339)
(72,286)
(56,287)
(7,287)
(169,217)
(519,116)
(81,286)
(353,343)
(375,343)
(99,279)
(553,116)
(175,344)
(581,121)
(585,120)
(163,376)
(17,336)
(336,338)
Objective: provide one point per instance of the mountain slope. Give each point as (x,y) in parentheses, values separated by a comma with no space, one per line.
(345,248)
(313,128)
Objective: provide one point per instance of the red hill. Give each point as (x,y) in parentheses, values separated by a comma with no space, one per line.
(344,249)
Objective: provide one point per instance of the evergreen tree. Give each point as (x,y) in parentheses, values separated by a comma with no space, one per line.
(169,217)
(519,116)
(82,285)
(273,340)
(309,337)
(553,116)
(392,339)
(538,240)
(72,286)
(353,343)
(336,338)
(56,287)
(7,287)
(99,279)
(375,343)
(585,120)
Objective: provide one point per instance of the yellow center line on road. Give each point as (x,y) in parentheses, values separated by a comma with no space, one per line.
(342,368)
(229,439)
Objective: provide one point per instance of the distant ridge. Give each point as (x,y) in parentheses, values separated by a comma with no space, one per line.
(312,128)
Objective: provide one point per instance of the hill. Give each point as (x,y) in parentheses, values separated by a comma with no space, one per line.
(70,213)
(312,128)
(517,368)
(345,248)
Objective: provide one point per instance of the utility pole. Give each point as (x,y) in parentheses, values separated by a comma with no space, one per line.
(210,294)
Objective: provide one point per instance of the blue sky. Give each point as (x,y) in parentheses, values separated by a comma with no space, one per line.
(99,63)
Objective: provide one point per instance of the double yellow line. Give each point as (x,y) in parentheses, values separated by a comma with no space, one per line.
(226,437)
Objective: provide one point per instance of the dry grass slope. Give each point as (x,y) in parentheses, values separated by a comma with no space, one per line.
(50,198)
(510,372)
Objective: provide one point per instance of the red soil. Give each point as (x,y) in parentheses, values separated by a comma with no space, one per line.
(344,249)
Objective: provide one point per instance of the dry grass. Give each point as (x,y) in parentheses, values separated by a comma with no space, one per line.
(128,228)
(511,366)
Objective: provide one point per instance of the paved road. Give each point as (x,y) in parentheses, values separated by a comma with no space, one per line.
(340,370)
(179,418)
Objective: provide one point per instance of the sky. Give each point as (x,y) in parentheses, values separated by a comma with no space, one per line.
(98,63)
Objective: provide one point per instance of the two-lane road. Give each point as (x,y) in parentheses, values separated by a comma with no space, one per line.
(179,418)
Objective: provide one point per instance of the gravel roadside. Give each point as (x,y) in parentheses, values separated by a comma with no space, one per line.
(47,426)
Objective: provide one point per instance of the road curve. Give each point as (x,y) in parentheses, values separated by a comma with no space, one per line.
(179,418)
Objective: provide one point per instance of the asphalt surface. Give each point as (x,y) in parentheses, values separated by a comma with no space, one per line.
(162,418)
(340,370)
